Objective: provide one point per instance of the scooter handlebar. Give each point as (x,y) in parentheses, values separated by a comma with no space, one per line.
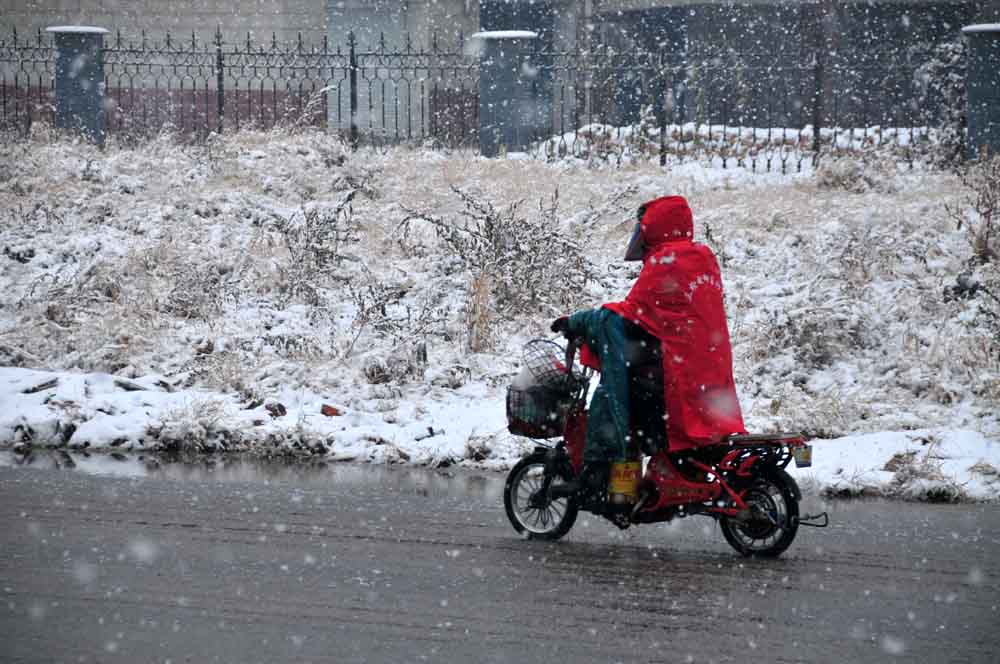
(572,345)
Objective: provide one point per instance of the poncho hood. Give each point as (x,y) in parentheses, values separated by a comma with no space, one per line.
(667,219)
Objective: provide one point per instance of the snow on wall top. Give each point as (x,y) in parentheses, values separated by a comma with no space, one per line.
(77,29)
(505,34)
(982,27)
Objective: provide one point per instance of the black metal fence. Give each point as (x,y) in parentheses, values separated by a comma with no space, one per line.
(762,111)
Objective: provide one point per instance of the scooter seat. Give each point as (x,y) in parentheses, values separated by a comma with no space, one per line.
(757,438)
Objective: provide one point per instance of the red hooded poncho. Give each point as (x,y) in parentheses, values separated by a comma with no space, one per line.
(678,299)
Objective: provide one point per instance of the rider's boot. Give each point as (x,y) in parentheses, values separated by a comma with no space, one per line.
(592,479)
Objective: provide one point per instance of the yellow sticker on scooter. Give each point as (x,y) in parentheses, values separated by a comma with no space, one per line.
(624,479)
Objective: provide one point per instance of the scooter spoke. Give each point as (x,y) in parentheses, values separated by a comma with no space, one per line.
(524,493)
(529,486)
(544,517)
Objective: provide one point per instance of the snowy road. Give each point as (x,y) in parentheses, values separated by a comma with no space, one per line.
(359,564)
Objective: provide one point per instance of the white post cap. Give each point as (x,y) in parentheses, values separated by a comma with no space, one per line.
(78,29)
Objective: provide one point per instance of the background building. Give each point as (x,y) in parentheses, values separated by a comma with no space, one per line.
(653,24)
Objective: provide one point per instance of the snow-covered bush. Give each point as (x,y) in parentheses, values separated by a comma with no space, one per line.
(602,143)
(230,371)
(857,174)
(817,335)
(398,365)
(979,212)
(390,310)
(192,289)
(526,261)
(315,239)
(194,427)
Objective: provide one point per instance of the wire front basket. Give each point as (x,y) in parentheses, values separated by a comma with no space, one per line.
(542,394)
(546,360)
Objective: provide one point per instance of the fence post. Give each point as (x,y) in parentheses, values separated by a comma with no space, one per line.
(508,108)
(666,110)
(820,45)
(220,78)
(817,105)
(79,81)
(663,129)
(983,89)
(353,83)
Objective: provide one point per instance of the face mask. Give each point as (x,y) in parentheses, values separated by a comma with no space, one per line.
(636,249)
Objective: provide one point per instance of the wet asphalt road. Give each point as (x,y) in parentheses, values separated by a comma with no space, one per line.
(351,564)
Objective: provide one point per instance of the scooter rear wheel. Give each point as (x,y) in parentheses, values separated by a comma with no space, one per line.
(549,520)
(772,498)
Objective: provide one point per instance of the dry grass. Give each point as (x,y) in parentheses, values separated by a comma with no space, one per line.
(480,316)
(858,174)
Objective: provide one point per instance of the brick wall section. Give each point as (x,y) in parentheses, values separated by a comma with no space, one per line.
(285,18)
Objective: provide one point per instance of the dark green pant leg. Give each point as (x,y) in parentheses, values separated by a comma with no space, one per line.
(608,421)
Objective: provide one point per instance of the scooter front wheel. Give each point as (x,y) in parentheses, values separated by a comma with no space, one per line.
(540,518)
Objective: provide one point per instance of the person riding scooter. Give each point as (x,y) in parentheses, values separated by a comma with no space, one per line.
(664,352)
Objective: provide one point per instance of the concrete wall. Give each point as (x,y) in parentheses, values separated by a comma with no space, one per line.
(261,18)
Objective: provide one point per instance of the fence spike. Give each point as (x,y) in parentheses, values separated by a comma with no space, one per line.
(249,45)
(408,44)
(218,35)
(381,42)
(325,44)
(194,41)
(434,41)
(168,40)
(274,41)
(300,42)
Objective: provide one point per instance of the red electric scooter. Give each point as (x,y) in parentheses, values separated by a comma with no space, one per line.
(740,481)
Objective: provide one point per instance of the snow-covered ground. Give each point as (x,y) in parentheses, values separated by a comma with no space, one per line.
(277,293)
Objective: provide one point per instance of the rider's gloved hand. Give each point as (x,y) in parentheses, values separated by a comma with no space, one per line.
(561,326)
